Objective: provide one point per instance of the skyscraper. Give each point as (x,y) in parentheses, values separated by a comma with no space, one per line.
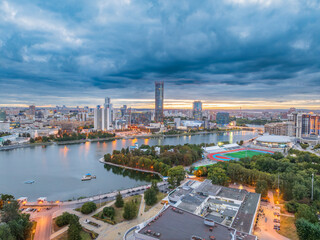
(107,114)
(197,110)
(159,101)
(98,118)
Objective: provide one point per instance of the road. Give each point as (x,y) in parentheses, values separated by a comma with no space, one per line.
(265,224)
(44,217)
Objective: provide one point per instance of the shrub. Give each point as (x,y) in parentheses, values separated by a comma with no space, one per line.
(291,206)
(88,207)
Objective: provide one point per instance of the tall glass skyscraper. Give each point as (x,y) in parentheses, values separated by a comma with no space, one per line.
(159,101)
(197,110)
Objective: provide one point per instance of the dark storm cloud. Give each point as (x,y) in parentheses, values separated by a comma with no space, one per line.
(235,49)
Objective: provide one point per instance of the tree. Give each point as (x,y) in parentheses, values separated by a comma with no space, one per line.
(154,186)
(63,219)
(10,211)
(218,176)
(5,232)
(150,196)
(306,212)
(88,207)
(176,175)
(74,232)
(109,212)
(130,210)
(299,191)
(307,230)
(262,188)
(119,201)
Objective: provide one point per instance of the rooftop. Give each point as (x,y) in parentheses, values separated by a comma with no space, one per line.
(182,225)
(274,139)
(246,213)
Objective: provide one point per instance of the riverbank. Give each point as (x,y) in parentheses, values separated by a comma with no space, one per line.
(131,168)
(10,147)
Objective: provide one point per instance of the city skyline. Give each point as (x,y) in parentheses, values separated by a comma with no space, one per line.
(77,54)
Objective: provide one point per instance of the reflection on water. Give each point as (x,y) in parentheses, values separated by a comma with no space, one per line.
(136,175)
(57,169)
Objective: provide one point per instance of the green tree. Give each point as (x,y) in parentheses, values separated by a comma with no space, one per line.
(306,212)
(109,212)
(150,196)
(154,186)
(262,188)
(10,211)
(307,230)
(299,191)
(176,175)
(130,210)
(63,219)
(5,232)
(218,176)
(119,201)
(88,207)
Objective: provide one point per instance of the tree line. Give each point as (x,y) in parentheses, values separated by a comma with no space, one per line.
(147,158)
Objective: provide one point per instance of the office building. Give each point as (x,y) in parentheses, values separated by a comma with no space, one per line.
(3,116)
(159,89)
(222,118)
(202,210)
(197,110)
(107,115)
(98,118)
(177,122)
(32,110)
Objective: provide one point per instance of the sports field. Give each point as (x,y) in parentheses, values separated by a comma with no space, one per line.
(242,154)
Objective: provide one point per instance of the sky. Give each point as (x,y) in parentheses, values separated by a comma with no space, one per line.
(252,54)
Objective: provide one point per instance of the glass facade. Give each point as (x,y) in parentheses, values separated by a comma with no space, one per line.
(222,118)
(197,110)
(159,101)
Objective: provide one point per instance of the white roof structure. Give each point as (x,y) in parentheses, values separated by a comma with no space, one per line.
(212,149)
(274,139)
(232,145)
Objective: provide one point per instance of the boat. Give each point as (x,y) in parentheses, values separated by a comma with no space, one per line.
(29,182)
(88,177)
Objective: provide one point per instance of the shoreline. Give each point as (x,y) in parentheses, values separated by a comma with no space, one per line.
(130,168)
(11,147)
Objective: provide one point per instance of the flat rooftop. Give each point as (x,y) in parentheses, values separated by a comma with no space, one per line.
(207,187)
(173,225)
(246,213)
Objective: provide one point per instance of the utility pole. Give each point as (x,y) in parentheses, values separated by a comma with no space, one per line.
(312,187)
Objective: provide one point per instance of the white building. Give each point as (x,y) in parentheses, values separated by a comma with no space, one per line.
(98,118)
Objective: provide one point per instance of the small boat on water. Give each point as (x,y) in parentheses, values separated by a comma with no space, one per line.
(88,177)
(29,182)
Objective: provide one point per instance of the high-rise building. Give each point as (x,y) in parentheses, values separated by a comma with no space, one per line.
(3,116)
(32,110)
(222,118)
(197,110)
(305,124)
(107,114)
(98,118)
(159,101)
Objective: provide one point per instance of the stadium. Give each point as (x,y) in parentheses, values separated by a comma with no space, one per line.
(236,154)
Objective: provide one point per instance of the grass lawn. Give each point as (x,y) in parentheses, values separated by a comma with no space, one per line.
(242,154)
(119,211)
(160,196)
(64,236)
(288,229)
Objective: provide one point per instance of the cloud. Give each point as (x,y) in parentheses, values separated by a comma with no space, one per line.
(75,52)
